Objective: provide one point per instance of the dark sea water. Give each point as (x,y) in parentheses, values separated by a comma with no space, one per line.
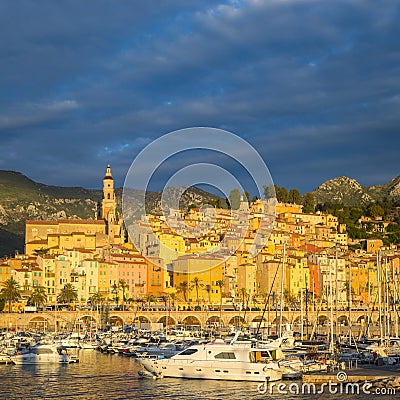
(100,376)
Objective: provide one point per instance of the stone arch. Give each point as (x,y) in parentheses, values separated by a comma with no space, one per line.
(142,319)
(191,320)
(116,320)
(38,324)
(164,319)
(237,320)
(363,319)
(296,320)
(323,320)
(259,321)
(343,320)
(215,320)
(278,320)
(87,319)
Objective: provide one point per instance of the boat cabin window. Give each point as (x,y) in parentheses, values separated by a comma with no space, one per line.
(188,352)
(42,350)
(259,356)
(226,355)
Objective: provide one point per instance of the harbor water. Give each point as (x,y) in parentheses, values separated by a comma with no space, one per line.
(100,376)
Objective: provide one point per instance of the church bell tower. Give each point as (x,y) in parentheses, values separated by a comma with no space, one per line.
(109,205)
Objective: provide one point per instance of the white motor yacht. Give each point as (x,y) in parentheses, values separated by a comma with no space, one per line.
(42,354)
(217,360)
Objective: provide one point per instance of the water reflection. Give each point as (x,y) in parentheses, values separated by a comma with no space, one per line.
(100,376)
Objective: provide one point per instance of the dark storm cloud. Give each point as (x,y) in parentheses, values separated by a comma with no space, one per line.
(313,85)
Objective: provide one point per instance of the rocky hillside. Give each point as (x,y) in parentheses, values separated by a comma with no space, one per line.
(349,192)
(22,199)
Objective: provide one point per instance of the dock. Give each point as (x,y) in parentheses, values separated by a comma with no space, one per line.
(361,374)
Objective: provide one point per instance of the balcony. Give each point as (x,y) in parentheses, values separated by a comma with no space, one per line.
(49,275)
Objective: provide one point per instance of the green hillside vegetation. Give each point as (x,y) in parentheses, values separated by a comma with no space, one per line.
(22,199)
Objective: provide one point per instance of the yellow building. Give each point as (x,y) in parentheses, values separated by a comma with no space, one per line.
(61,234)
(5,271)
(108,275)
(171,246)
(206,270)
(297,275)
(373,245)
(48,265)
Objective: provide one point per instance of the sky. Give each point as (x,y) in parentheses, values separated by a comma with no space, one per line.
(313,86)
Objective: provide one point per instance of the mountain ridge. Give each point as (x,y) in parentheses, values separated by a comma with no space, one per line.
(22,198)
(350,192)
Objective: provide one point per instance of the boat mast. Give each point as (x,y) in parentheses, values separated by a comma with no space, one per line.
(387,300)
(332,348)
(396,299)
(336,294)
(379,294)
(282,288)
(301,314)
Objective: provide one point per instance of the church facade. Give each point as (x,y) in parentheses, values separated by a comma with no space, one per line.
(54,236)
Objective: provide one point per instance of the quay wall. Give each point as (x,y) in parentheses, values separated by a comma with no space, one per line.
(67,320)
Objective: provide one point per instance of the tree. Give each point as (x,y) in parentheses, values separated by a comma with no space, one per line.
(196,284)
(244,294)
(10,291)
(208,290)
(38,296)
(294,196)
(150,298)
(97,299)
(220,285)
(376,211)
(269,191)
(289,298)
(41,252)
(68,294)
(123,285)
(308,203)
(234,199)
(284,195)
(173,297)
(183,288)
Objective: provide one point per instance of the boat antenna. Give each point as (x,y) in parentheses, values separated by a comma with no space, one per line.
(267,301)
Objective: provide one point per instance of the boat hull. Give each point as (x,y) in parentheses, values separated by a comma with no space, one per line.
(35,359)
(198,369)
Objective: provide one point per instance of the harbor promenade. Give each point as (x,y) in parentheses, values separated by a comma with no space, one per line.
(312,321)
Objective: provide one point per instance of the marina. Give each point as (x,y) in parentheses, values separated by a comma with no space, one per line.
(114,364)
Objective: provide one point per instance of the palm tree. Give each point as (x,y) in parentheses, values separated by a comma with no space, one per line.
(123,285)
(220,284)
(68,294)
(10,291)
(150,298)
(196,284)
(183,288)
(38,296)
(289,298)
(243,292)
(41,252)
(208,290)
(173,296)
(97,299)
